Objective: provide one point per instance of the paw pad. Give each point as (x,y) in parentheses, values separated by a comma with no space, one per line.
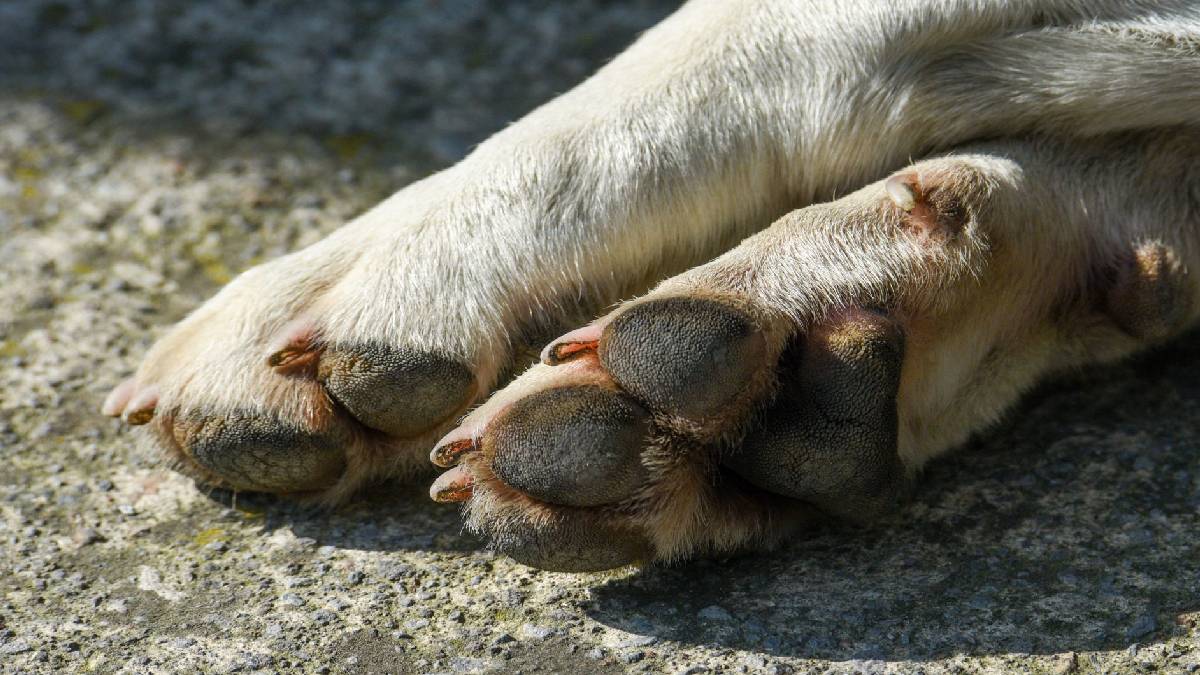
(1152,297)
(256,452)
(683,356)
(401,392)
(575,446)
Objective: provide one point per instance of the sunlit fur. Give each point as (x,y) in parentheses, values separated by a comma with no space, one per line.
(725,117)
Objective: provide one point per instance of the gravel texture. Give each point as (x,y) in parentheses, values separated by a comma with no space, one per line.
(150,150)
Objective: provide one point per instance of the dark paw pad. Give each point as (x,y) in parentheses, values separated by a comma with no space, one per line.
(829,438)
(1152,296)
(683,356)
(575,446)
(402,392)
(260,453)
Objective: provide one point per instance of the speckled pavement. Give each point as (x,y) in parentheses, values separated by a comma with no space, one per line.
(149,151)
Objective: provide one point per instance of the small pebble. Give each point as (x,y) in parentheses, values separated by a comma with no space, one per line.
(85,536)
(18,646)
(291,600)
(535,632)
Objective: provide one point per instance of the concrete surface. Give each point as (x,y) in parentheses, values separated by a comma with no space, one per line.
(150,150)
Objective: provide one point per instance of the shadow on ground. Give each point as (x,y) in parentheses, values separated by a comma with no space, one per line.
(1075,526)
(426,78)
(393,516)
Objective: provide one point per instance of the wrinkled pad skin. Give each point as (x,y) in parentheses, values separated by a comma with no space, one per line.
(252,452)
(401,392)
(575,446)
(829,438)
(683,356)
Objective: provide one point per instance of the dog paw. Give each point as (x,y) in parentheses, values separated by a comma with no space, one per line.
(731,404)
(812,370)
(628,444)
(270,387)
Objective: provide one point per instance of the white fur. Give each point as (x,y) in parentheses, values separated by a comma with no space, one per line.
(718,121)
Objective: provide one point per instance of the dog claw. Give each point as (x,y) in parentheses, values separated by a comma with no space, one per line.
(565,351)
(140,409)
(287,357)
(456,485)
(294,350)
(447,455)
(572,345)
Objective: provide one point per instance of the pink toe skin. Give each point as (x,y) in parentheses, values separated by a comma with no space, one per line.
(114,404)
(453,486)
(140,409)
(572,344)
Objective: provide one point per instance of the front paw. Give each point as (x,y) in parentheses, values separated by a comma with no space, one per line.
(809,371)
(627,449)
(246,395)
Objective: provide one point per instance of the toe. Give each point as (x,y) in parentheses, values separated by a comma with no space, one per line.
(574,446)
(260,453)
(399,391)
(683,356)
(141,407)
(829,438)
(114,404)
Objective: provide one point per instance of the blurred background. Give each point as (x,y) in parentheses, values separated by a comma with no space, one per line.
(434,75)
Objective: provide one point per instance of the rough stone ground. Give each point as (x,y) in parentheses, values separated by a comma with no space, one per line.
(150,150)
